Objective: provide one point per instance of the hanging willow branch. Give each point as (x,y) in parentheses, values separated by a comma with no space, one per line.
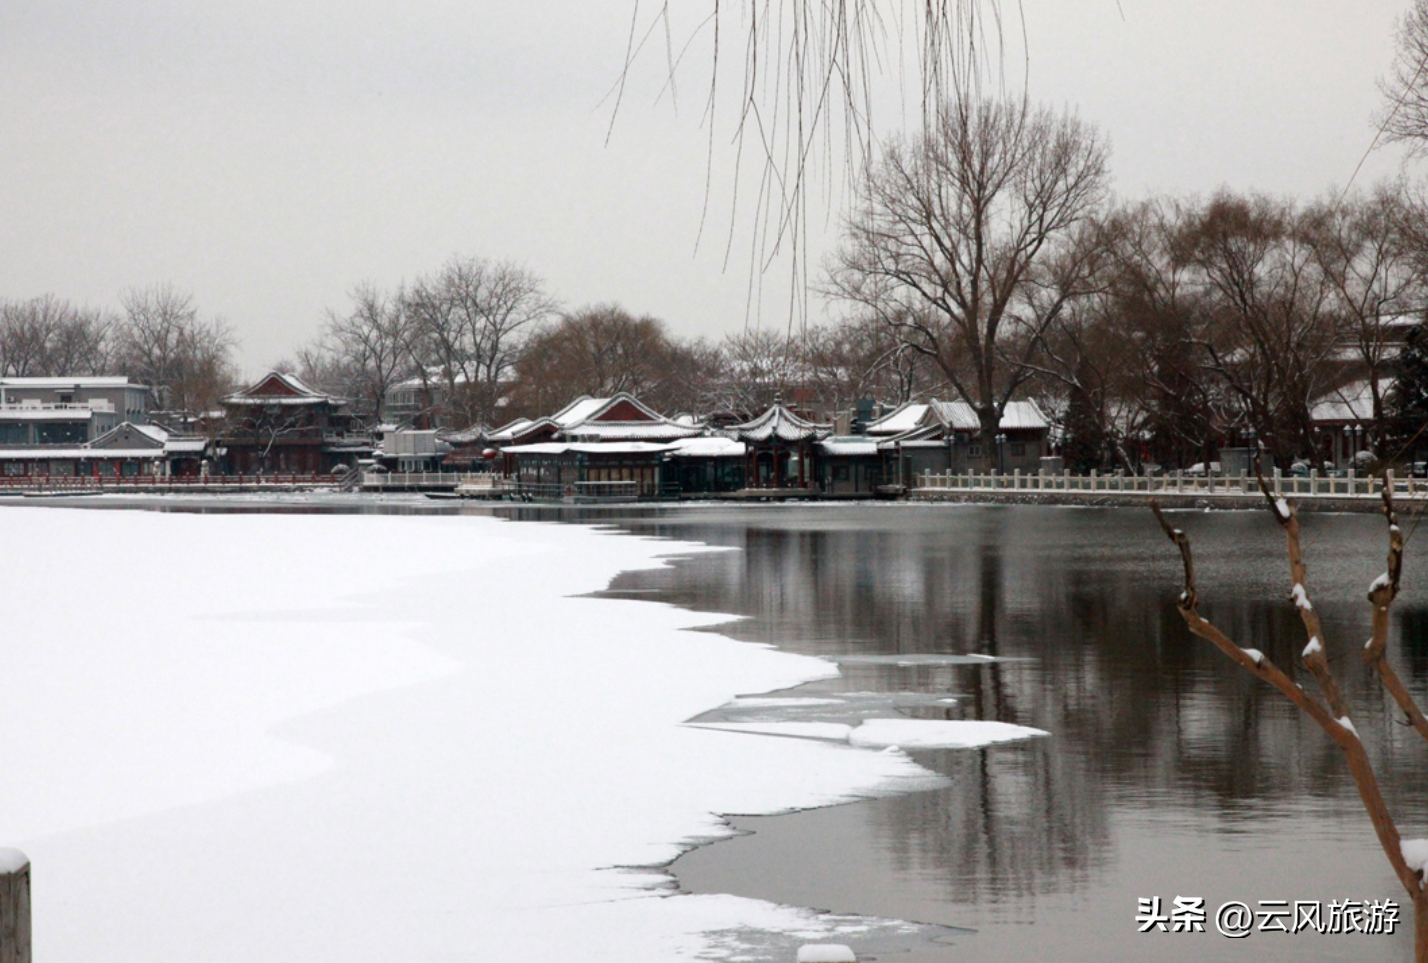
(813,71)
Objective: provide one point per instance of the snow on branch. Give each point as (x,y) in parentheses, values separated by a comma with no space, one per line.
(1381,595)
(1334,718)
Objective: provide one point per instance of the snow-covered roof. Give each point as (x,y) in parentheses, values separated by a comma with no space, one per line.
(905,418)
(590,448)
(1017,416)
(712,447)
(849,446)
(128,430)
(279,388)
(781,424)
(186,446)
(1351,403)
(68,454)
(620,416)
(59,384)
(509,431)
(579,410)
(633,430)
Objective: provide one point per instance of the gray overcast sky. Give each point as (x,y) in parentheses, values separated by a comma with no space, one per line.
(268,154)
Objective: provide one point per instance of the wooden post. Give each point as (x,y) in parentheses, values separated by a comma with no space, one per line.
(14,906)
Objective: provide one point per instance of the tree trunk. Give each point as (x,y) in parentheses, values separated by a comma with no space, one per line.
(991,424)
(1420,927)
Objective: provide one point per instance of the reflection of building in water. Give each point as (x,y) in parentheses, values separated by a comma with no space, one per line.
(1081,606)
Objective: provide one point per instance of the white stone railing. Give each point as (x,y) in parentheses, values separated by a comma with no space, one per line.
(408,480)
(1174,483)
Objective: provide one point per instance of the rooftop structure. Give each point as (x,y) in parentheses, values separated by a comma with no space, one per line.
(112,394)
(621,417)
(779,423)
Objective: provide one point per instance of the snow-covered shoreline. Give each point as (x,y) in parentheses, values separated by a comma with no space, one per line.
(372,737)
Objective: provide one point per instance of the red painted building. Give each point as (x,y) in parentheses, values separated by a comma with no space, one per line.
(280,425)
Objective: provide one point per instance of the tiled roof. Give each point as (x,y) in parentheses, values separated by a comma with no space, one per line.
(601,430)
(1017,416)
(1353,402)
(778,423)
(302,394)
(905,418)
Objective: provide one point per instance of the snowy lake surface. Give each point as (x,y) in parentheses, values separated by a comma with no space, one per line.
(354,729)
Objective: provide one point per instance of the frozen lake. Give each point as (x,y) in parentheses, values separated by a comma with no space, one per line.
(410,709)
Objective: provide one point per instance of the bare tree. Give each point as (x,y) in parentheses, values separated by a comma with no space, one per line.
(48,336)
(1404,116)
(1367,260)
(470,321)
(860,357)
(1265,316)
(1330,709)
(754,369)
(598,350)
(368,345)
(970,241)
(163,343)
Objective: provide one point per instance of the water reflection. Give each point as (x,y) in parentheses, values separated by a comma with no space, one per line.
(1159,744)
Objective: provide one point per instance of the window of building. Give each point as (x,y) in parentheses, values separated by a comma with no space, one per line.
(14,468)
(62,433)
(840,472)
(974,450)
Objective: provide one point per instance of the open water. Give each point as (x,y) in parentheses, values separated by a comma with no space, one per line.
(1169,771)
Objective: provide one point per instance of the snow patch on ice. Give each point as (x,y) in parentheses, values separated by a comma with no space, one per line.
(831,731)
(157,759)
(938,733)
(825,953)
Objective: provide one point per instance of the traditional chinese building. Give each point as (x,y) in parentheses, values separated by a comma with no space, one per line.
(779,448)
(280,424)
(943,436)
(594,446)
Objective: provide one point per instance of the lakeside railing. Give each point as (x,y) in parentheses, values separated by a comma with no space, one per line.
(79,484)
(1174,483)
(380,481)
